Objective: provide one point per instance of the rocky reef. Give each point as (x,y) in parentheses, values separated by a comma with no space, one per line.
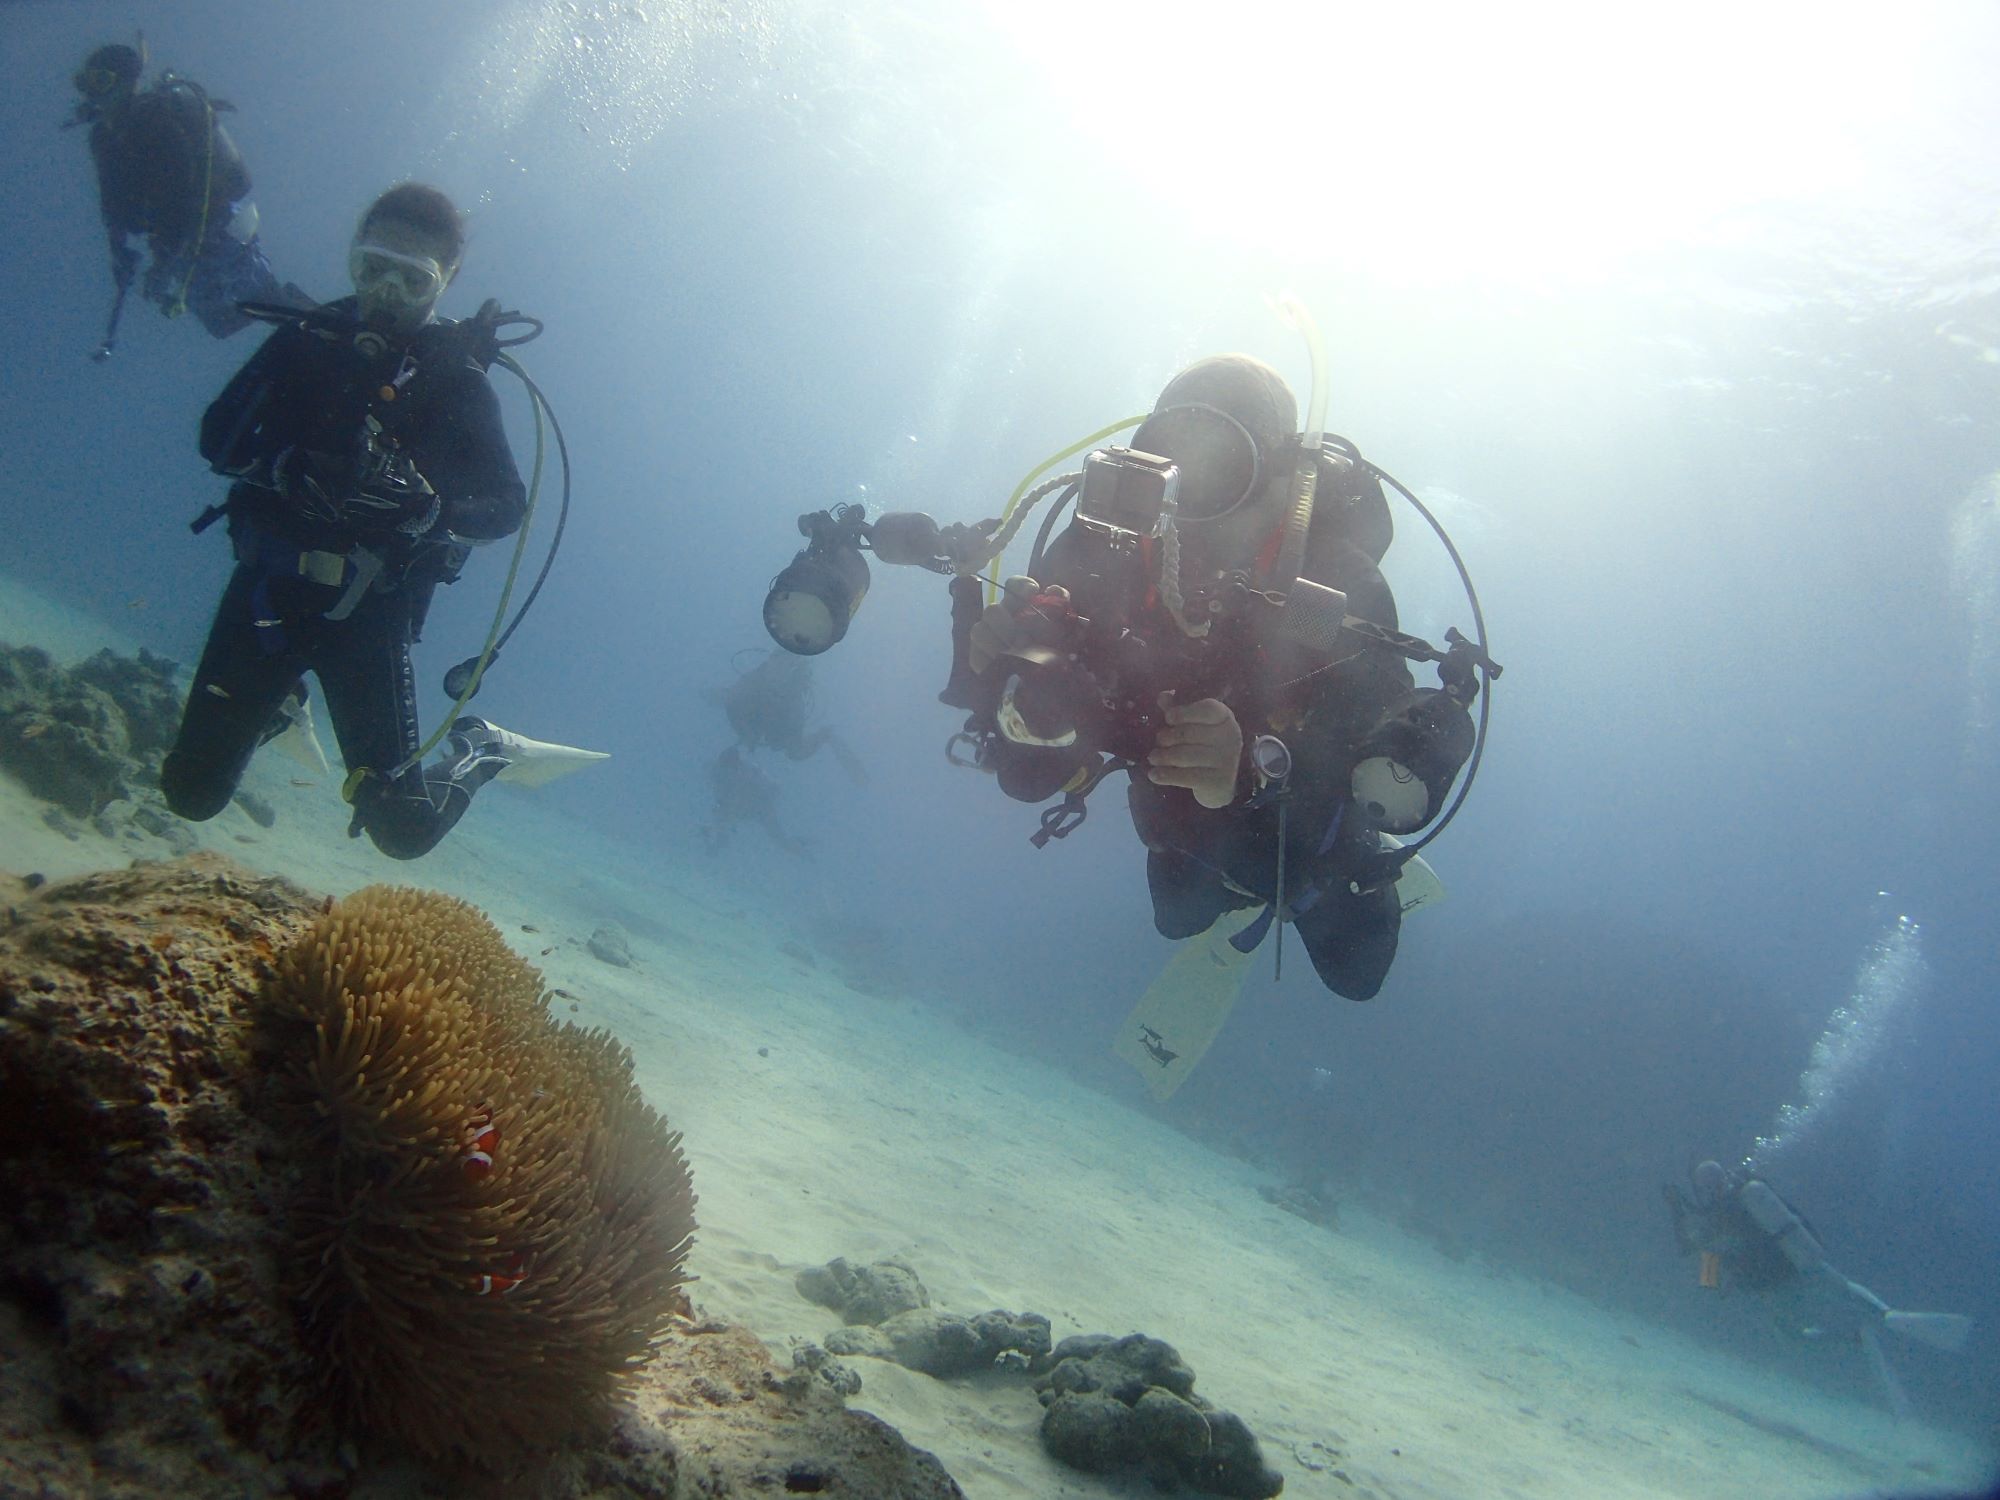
(155,1299)
(88,740)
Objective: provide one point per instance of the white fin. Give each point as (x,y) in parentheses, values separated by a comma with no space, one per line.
(1940,1330)
(1418,886)
(298,739)
(536,762)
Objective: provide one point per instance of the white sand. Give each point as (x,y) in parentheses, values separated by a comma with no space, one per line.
(1367,1364)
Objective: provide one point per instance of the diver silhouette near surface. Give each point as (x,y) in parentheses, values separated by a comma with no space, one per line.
(168,172)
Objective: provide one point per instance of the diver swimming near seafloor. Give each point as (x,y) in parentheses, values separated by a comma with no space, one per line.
(1750,1238)
(1214,621)
(367,455)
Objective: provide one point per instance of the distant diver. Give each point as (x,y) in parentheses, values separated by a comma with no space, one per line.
(744,794)
(168,171)
(368,459)
(770,705)
(1750,1238)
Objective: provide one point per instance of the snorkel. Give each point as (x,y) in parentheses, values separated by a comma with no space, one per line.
(1297,315)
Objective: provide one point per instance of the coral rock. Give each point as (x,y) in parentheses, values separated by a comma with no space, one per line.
(1129,1403)
(147,1343)
(863,1294)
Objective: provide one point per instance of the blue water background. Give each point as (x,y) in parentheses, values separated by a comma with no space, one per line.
(1714,494)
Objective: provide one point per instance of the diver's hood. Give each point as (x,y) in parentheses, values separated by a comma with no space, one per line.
(1710,1183)
(1229,423)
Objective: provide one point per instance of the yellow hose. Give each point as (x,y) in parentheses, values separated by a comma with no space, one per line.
(1043,467)
(353,782)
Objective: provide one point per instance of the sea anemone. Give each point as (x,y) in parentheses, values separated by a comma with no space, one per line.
(493,1224)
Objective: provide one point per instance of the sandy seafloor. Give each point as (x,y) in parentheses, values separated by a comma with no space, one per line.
(823,1122)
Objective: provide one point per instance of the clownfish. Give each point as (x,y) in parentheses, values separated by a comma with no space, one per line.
(486,1283)
(482,1139)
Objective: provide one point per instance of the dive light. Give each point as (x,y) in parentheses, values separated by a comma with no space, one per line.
(813,601)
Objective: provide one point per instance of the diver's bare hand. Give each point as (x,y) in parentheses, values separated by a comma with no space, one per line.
(1199,748)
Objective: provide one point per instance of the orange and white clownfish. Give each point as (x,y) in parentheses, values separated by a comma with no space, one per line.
(482,1139)
(486,1283)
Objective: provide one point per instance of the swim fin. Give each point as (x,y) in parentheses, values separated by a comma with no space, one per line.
(297,739)
(1892,1388)
(1182,1011)
(1947,1331)
(849,761)
(527,762)
(1418,885)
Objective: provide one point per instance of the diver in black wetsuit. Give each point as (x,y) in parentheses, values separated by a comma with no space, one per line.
(366,464)
(1370,752)
(168,171)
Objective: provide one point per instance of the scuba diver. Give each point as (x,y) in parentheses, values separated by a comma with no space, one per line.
(368,457)
(1750,1238)
(1266,760)
(167,170)
(769,705)
(1214,622)
(744,794)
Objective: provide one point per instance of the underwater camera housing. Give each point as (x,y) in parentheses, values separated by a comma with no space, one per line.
(1089,683)
(1127,491)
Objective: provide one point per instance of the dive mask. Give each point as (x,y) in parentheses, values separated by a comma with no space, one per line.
(110,70)
(391,277)
(96,83)
(1219,464)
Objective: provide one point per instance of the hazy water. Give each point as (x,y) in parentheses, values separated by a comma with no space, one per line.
(1689,332)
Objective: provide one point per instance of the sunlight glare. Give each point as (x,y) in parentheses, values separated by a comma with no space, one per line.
(1443,142)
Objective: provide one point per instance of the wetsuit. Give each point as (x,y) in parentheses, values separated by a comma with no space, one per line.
(166,169)
(340,596)
(1202,862)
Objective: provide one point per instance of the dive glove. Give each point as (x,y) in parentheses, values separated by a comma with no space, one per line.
(1005,626)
